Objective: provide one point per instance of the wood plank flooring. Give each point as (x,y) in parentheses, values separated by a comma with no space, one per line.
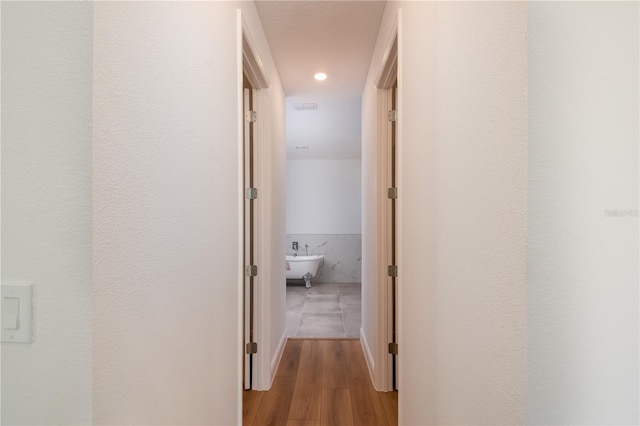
(321,383)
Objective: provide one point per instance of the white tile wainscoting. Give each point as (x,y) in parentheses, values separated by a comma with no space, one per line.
(342,254)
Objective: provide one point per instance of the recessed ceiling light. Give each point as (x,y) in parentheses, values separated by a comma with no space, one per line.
(320,76)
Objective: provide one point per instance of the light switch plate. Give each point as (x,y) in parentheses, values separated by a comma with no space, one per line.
(16,299)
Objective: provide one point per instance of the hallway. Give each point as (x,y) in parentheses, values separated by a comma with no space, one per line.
(518,199)
(321,382)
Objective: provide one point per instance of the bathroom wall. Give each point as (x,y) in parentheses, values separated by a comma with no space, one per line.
(342,255)
(324,212)
(46,207)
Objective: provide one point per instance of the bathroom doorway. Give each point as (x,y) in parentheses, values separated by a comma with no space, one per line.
(323,216)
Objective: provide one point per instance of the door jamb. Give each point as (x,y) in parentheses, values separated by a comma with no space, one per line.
(249,63)
(390,72)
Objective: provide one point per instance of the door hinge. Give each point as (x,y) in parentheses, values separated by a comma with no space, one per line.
(251,116)
(251,193)
(393,115)
(392,193)
(392,270)
(251,270)
(251,348)
(393,348)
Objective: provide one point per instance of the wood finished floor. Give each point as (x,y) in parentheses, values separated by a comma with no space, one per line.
(318,383)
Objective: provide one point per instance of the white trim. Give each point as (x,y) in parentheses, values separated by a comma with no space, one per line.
(275,362)
(399,229)
(252,64)
(262,295)
(382,376)
(389,68)
(93,121)
(389,71)
(240,201)
(368,356)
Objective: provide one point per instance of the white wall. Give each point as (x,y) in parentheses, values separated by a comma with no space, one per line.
(463,227)
(582,294)
(324,196)
(331,131)
(166,218)
(463,205)
(46,207)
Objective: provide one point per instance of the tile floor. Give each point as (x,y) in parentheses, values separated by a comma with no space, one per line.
(324,310)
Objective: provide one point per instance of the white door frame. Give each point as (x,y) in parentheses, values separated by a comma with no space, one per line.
(390,72)
(250,64)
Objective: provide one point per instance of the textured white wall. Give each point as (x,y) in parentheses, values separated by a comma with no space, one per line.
(582,264)
(166,212)
(324,196)
(463,196)
(46,207)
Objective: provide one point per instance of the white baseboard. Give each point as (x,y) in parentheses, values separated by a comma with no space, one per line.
(367,355)
(278,355)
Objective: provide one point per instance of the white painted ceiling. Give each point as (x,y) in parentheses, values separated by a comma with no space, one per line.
(335,37)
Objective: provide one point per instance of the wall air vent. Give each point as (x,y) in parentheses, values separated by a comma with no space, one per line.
(305,107)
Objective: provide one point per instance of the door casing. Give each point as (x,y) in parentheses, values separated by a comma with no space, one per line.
(388,302)
(250,65)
